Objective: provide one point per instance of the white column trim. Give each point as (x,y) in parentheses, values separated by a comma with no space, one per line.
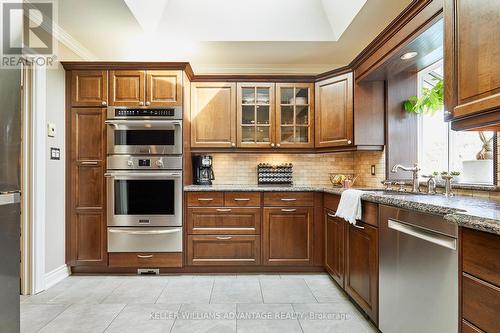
(38,153)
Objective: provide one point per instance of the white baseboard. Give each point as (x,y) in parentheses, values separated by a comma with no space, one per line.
(56,275)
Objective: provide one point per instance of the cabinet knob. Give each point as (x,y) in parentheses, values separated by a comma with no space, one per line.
(103,103)
(272,145)
(141,103)
(278,145)
(233,144)
(349,142)
(148,103)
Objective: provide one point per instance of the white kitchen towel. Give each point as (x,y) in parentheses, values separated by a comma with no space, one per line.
(350,206)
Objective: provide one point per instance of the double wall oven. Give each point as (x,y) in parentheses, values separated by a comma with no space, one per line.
(144,179)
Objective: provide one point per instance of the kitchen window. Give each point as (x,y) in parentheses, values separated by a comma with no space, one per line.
(442,149)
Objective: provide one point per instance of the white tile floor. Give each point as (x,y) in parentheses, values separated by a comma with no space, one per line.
(261,303)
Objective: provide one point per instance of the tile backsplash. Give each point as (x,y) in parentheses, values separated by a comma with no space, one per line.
(308,169)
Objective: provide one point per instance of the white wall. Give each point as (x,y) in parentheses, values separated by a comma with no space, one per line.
(55,172)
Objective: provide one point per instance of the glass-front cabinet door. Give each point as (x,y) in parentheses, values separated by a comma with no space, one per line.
(294,114)
(256,115)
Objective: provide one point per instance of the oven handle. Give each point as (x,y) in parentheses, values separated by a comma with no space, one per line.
(142,175)
(143,122)
(144,232)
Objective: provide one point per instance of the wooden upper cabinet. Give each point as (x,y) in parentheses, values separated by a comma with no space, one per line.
(255,115)
(334,111)
(213,113)
(89,88)
(127,88)
(472,69)
(164,88)
(294,115)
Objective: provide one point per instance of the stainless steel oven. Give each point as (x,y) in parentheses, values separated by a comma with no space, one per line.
(151,131)
(147,193)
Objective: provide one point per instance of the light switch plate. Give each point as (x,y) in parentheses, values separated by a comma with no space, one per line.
(51,130)
(55,153)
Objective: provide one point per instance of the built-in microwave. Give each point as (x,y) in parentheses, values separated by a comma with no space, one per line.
(150,131)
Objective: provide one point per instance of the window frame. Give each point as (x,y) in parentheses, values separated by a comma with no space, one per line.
(420,85)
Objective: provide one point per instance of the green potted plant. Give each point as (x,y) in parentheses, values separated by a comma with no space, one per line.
(429,102)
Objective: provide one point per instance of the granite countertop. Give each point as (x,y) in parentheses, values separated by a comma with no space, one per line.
(475,213)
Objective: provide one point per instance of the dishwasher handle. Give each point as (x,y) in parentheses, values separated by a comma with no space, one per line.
(424,234)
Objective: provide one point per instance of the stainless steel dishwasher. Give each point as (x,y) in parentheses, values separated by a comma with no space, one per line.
(418,273)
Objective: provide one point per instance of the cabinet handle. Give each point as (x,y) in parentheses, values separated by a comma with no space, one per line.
(241,199)
(288,210)
(205,199)
(223,209)
(89,163)
(141,103)
(288,199)
(358,226)
(103,103)
(223,238)
(330,215)
(149,256)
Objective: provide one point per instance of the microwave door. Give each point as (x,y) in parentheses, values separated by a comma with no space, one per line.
(144,137)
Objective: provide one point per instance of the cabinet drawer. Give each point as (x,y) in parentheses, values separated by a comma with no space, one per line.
(370,213)
(303,199)
(223,221)
(205,199)
(145,260)
(242,199)
(223,250)
(480,303)
(481,255)
(331,201)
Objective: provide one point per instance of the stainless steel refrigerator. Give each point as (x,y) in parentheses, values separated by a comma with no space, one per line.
(10,209)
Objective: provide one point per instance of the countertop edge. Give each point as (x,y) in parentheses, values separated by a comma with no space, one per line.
(451,215)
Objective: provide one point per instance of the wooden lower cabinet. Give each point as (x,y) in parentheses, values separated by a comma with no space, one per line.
(223,250)
(480,288)
(223,220)
(335,246)
(287,236)
(145,260)
(361,271)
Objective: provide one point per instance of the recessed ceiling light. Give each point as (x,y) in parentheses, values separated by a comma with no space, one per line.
(409,55)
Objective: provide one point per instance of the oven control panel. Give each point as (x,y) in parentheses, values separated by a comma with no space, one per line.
(143,112)
(170,112)
(129,162)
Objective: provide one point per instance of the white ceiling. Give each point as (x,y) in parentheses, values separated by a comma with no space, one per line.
(227,36)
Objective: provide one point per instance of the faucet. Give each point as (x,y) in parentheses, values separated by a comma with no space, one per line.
(414,169)
(431,184)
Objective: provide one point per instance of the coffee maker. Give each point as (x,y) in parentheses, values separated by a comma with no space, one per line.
(203,174)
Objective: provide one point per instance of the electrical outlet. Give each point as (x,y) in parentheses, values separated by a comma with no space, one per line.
(373,169)
(55,154)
